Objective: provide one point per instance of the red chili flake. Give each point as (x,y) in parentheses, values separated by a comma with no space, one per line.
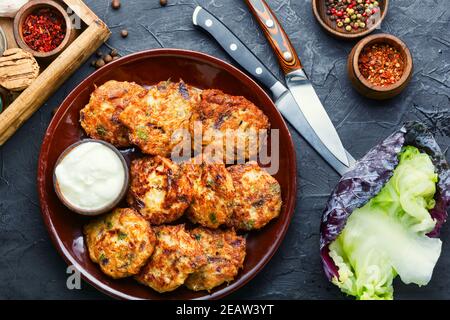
(44,30)
(381,64)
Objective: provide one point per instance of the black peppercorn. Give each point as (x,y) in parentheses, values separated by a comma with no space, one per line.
(124,33)
(163,3)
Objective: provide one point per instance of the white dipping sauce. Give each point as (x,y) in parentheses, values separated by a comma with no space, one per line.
(91,176)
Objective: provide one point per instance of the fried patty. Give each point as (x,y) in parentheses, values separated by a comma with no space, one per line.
(159,190)
(257,198)
(212,192)
(220,117)
(154,121)
(120,242)
(177,255)
(225,254)
(100,117)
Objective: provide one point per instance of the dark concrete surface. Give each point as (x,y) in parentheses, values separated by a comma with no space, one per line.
(30,268)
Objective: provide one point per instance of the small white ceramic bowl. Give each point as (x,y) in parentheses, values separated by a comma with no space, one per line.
(108,207)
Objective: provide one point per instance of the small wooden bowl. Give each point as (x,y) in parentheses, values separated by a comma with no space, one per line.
(320,9)
(362,85)
(106,208)
(28,9)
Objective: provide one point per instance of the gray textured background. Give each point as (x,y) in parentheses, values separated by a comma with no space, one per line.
(31,268)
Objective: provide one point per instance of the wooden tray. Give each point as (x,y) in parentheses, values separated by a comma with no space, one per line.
(92,35)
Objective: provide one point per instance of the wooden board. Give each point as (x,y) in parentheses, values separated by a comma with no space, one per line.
(54,75)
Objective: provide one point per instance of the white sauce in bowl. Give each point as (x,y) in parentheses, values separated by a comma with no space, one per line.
(91,176)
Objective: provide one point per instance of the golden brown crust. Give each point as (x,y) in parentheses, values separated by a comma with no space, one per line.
(100,117)
(212,193)
(257,199)
(153,120)
(177,255)
(218,113)
(120,242)
(225,254)
(159,191)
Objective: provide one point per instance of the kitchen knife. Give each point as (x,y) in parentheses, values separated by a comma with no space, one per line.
(284,99)
(296,79)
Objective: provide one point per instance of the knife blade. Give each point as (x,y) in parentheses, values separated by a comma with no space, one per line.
(297,80)
(284,100)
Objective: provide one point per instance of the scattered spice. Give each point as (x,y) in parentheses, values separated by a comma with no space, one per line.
(381,64)
(124,33)
(163,3)
(100,63)
(353,14)
(115,4)
(44,29)
(114,53)
(107,58)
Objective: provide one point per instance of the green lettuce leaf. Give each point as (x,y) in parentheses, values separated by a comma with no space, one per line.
(387,237)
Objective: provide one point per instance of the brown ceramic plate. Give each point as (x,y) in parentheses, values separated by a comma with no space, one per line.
(147,68)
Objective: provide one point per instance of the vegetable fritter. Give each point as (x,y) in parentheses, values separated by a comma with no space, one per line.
(120,242)
(229,119)
(154,121)
(100,117)
(257,199)
(225,254)
(159,190)
(212,192)
(177,255)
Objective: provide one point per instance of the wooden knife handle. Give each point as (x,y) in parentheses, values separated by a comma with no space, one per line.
(277,37)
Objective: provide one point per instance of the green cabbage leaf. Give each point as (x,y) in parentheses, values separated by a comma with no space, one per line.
(388,236)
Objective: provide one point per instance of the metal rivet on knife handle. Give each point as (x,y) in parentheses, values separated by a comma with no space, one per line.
(287,56)
(278,39)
